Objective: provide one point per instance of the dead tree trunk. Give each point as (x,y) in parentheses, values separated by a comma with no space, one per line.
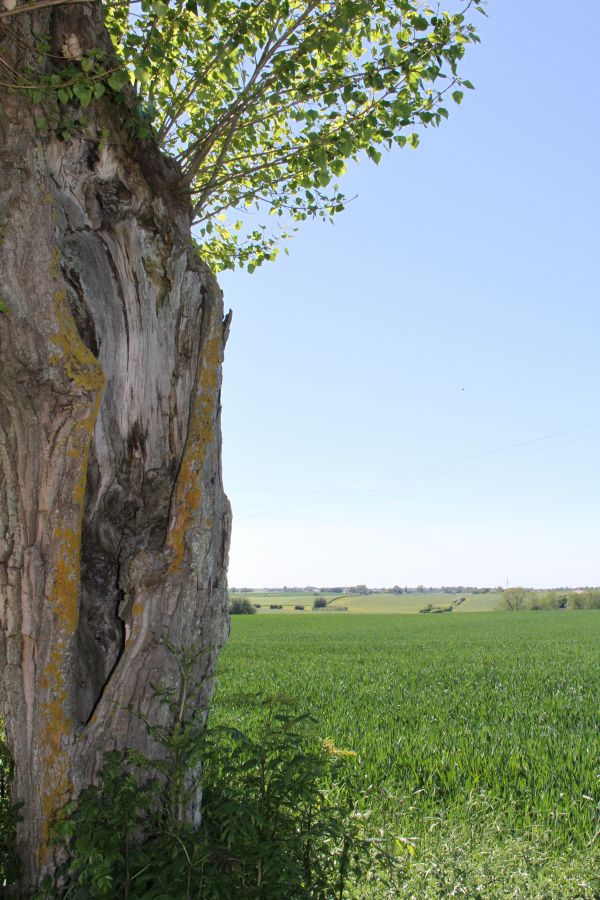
(114,526)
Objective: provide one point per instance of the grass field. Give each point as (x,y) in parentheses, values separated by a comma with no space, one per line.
(477,737)
(412,603)
(370,603)
(286,599)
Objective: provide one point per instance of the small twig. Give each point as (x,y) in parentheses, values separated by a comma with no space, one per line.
(41,86)
(594,838)
(8,68)
(41,4)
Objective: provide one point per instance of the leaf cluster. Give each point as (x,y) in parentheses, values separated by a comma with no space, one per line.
(263,102)
(60,87)
(270,809)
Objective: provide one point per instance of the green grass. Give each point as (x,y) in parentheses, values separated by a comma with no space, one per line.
(477,736)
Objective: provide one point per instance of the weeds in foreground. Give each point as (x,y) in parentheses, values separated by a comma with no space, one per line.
(273,825)
(9,815)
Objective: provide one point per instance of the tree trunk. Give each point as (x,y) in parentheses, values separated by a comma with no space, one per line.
(114,527)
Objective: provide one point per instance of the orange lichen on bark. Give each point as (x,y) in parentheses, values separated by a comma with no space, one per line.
(56,786)
(131,628)
(54,263)
(65,593)
(188,493)
(56,679)
(79,362)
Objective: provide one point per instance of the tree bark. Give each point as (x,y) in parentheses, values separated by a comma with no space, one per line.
(114,526)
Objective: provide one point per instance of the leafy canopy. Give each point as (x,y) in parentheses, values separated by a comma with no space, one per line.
(263,102)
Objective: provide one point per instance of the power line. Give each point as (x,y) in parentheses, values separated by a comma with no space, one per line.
(433,470)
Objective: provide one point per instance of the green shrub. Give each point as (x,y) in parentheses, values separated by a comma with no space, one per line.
(273,826)
(9,815)
(319,603)
(241,606)
(271,817)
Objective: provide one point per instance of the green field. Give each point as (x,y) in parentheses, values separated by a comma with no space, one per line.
(369,603)
(286,599)
(477,737)
(412,603)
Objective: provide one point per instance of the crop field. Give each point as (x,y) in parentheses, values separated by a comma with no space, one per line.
(412,603)
(286,599)
(369,603)
(478,737)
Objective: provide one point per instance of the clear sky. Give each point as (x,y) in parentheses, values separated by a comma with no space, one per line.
(411,396)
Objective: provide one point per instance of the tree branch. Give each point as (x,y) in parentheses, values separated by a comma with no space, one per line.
(41,4)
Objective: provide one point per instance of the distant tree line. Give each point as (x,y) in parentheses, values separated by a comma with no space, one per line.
(515,599)
(511,598)
(364,589)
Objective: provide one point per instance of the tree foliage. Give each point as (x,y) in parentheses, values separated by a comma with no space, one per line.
(513,599)
(9,814)
(263,102)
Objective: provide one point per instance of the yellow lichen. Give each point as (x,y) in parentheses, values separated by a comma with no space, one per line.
(55,787)
(54,263)
(200,434)
(66,580)
(137,608)
(132,627)
(57,724)
(79,362)
(55,679)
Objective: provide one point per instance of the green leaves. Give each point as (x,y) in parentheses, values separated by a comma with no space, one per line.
(262,102)
(374,155)
(83,91)
(270,805)
(420,23)
(117,80)
(9,813)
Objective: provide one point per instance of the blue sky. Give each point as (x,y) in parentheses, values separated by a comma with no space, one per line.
(411,396)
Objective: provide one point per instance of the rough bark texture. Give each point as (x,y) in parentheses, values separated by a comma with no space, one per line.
(114,526)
